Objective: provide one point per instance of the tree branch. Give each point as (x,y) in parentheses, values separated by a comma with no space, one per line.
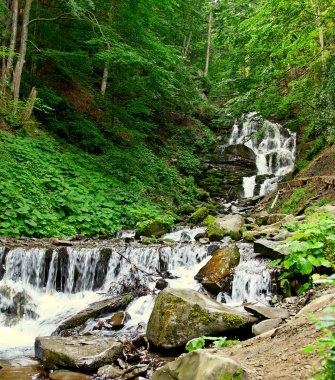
(63,15)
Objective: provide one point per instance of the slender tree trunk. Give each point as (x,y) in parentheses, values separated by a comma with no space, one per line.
(187,47)
(30,104)
(104,79)
(209,41)
(319,25)
(12,42)
(3,66)
(22,53)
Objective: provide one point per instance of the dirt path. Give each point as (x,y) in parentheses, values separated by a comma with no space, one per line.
(277,354)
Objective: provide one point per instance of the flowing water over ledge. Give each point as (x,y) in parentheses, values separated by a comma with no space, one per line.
(274,147)
(41,287)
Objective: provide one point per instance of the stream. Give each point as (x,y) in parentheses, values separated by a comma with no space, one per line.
(42,286)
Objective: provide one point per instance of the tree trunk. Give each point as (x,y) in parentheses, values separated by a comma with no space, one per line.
(30,104)
(9,69)
(209,40)
(316,9)
(104,79)
(3,67)
(22,53)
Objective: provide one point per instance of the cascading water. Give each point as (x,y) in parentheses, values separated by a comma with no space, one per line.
(252,279)
(39,287)
(274,147)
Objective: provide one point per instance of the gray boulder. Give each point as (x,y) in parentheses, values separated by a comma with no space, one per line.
(270,248)
(180,315)
(94,310)
(232,225)
(83,353)
(267,312)
(267,325)
(201,365)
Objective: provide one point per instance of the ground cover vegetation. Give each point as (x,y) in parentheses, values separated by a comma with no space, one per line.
(115,98)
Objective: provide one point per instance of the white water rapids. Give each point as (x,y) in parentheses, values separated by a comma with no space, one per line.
(41,287)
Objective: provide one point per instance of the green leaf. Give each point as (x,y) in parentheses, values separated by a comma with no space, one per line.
(304,266)
(308,349)
(195,344)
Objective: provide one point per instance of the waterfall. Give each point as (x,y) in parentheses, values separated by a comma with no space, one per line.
(274,147)
(41,287)
(252,280)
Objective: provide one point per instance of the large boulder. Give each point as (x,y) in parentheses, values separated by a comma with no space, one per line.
(180,315)
(83,353)
(94,310)
(265,326)
(200,365)
(232,225)
(216,275)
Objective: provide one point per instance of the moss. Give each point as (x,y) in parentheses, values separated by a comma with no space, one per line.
(232,321)
(237,375)
(209,220)
(199,215)
(215,233)
(197,314)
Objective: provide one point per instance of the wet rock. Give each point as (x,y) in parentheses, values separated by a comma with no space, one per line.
(199,215)
(84,353)
(267,325)
(270,248)
(180,315)
(204,241)
(61,243)
(8,372)
(109,372)
(161,284)
(16,303)
(200,365)
(94,310)
(68,375)
(267,312)
(215,276)
(215,233)
(118,320)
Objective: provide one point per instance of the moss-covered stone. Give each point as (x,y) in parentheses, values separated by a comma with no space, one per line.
(215,276)
(210,219)
(180,315)
(215,233)
(152,227)
(199,215)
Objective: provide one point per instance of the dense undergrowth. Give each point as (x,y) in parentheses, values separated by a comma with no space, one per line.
(51,188)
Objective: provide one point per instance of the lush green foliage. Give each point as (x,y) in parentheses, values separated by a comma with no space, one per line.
(52,189)
(217,342)
(325,346)
(311,253)
(276,57)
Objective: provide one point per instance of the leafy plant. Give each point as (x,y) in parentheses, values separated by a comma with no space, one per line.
(325,346)
(308,252)
(200,342)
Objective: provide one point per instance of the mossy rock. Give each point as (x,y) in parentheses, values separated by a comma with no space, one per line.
(216,275)
(180,315)
(210,219)
(215,233)
(152,227)
(199,215)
